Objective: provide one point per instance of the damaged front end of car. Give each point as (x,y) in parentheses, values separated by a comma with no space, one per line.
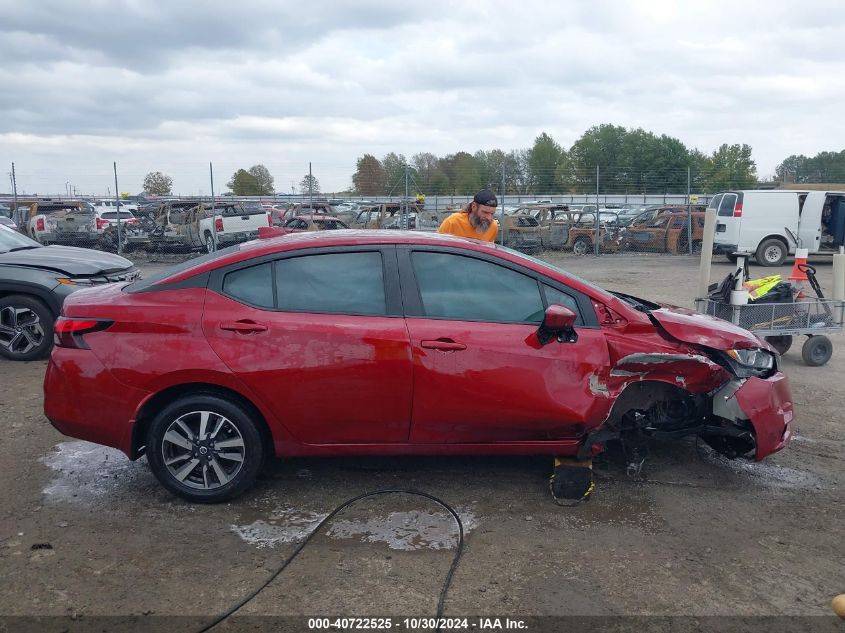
(718,383)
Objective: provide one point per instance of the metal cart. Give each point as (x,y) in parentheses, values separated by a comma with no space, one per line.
(779,322)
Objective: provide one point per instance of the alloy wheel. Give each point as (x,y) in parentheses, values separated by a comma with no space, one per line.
(21,330)
(203,450)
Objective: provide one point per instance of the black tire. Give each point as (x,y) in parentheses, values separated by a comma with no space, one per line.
(732,258)
(219,472)
(26,328)
(209,243)
(771,252)
(817,350)
(581,246)
(780,343)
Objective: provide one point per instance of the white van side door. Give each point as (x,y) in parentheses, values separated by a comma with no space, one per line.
(810,221)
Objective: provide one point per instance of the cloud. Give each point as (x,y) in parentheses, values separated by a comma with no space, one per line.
(174,86)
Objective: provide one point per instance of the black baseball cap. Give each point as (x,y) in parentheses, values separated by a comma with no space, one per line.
(486,197)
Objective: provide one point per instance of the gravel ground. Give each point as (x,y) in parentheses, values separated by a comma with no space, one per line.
(86,533)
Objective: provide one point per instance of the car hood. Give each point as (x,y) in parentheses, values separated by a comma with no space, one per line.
(67,259)
(699,329)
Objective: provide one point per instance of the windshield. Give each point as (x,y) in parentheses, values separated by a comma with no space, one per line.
(10,239)
(601,292)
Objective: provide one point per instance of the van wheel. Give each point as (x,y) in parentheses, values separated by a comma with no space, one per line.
(731,258)
(205,448)
(772,252)
(26,328)
(581,246)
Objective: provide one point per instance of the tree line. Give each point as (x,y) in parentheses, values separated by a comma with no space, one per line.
(620,160)
(607,158)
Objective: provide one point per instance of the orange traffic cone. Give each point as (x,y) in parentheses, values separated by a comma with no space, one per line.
(800,260)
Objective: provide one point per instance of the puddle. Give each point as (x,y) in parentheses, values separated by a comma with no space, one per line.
(284,526)
(408,531)
(766,473)
(86,471)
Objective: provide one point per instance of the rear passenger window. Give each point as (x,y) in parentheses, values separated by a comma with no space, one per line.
(335,283)
(726,208)
(715,201)
(253,285)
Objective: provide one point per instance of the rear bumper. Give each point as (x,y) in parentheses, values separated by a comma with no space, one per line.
(83,400)
(766,403)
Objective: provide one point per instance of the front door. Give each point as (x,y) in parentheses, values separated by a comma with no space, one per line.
(479,373)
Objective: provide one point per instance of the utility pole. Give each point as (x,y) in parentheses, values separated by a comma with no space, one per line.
(310,188)
(689,213)
(502,227)
(213,207)
(404,217)
(117,204)
(15,197)
(598,225)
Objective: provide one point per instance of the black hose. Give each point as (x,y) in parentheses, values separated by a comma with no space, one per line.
(389,491)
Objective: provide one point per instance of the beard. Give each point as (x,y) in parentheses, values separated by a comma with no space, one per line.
(479,224)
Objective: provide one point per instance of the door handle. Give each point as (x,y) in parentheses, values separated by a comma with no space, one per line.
(444,345)
(243,327)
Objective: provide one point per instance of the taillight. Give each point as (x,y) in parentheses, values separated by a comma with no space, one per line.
(738,209)
(101,224)
(68,331)
(39,224)
(218,225)
(132,221)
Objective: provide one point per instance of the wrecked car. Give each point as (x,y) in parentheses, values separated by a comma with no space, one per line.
(426,343)
(308,223)
(519,230)
(198,224)
(576,231)
(64,222)
(382,216)
(667,233)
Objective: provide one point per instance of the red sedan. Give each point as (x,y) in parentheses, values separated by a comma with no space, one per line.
(385,343)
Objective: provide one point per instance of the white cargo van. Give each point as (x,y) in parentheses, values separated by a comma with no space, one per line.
(768,223)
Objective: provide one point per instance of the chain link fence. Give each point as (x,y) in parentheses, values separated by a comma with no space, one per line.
(607,222)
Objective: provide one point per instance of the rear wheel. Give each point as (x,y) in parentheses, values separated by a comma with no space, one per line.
(817,350)
(771,252)
(26,328)
(205,448)
(209,243)
(581,246)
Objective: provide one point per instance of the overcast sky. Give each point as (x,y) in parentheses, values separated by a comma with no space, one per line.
(172,86)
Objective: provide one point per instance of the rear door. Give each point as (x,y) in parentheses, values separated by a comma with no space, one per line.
(319,337)
(479,373)
(810,222)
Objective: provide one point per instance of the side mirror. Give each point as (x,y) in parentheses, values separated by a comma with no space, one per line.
(558,322)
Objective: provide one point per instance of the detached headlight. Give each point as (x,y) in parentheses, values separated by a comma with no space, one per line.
(750,362)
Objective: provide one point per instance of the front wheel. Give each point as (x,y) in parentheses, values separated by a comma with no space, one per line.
(581,246)
(205,448)
(26,328)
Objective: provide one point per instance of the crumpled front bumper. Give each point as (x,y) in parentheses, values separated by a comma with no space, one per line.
(766,403)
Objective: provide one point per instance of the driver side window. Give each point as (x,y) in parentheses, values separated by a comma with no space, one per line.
(464,288)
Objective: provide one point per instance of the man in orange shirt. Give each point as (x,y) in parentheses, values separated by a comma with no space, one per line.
(475,220)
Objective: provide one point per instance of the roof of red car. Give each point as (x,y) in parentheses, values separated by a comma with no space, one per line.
(342,237)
